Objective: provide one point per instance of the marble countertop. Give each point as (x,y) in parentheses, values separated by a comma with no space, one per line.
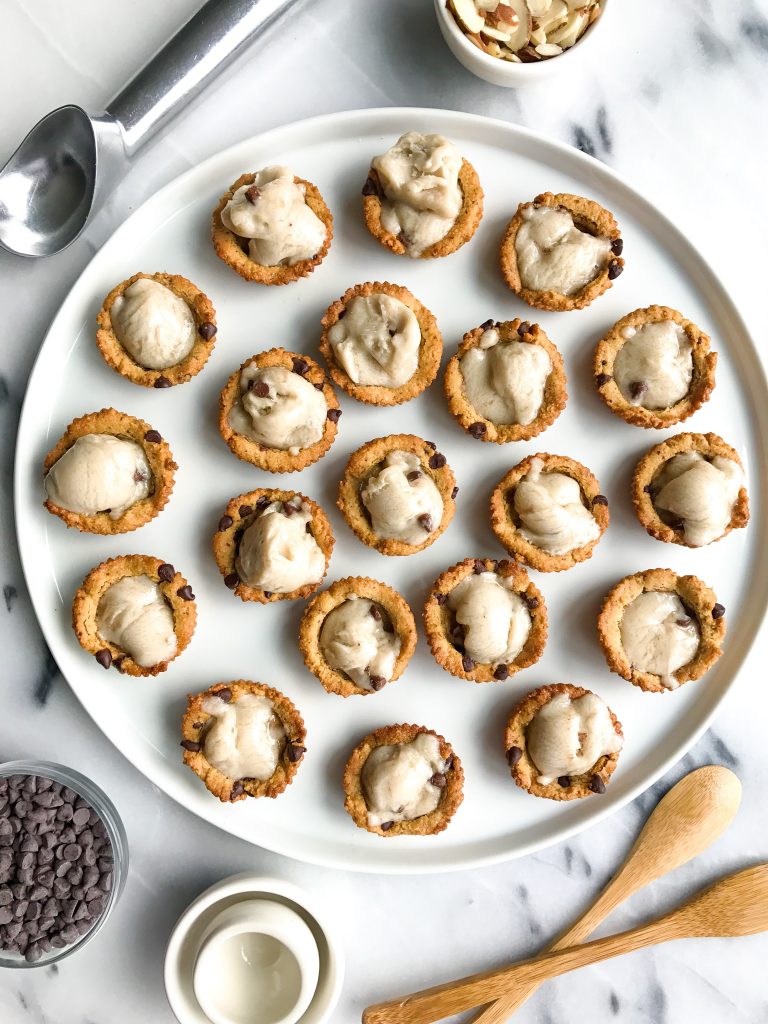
(675,100)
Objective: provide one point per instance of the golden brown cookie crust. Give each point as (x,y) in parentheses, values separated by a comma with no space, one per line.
(239,514)
(555,390)
(365,460)
(158,456)
(525,772)
(698,599)
(702,381)
(504,525)
(172,585)
(426,825)
(651,463)
(275,460)
(588,216)
(438,620)
(229,249)
(430,348)
(116,356)
(395,608)
(231,790)
(466,223)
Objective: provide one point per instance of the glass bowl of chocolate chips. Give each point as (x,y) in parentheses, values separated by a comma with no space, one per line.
(63,862)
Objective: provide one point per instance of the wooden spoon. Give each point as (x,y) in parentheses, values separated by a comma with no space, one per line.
(688,819)
(736,905)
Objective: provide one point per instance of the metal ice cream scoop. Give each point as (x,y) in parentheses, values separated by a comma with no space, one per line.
(71,159)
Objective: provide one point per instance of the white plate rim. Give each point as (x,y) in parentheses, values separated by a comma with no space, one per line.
(391,119)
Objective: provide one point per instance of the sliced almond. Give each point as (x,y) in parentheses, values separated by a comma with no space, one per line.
(467,16)
(568,33)
(486,5)
(539,8)
(557,13)
(549,50)
(522,30)
(496,33)
(538,36)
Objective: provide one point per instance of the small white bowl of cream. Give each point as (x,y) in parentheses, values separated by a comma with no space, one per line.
(253,950)
(519,42)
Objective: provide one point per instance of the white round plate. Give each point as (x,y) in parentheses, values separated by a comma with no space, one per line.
(170,232)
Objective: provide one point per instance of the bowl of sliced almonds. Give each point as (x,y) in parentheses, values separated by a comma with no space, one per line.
(518,42)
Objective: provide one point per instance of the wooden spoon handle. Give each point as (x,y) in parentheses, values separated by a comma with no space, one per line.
(434,1004)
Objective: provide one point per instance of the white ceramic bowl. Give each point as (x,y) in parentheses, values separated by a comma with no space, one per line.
(507,73)
(202,915)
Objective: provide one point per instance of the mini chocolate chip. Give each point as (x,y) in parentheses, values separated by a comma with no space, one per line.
(476,429)
(439,780)
(166,572)
(294,752)
(334,415)
(602,379)
(153,436)
(104,657)
(370,188)
(231,580)
(454,492)
(260,388)
(139,477)
(532,602)
(513,756)
(308,528)
(245,510)
(252,193)
(404,239)
(637,388)
(207,330)
(225,694)
(425,521)
(617,246)
(500,672)
(718,611)
(162,382)
(478,566)
(289,509)
(437,461)
(440,598)
(185,593)
(677,524)
(267,594)
(597,785)
(191,745)
(374,611)
(237,790)
(377,683)
(614,269)
(224,523)
(682,622)
(467,663)
(599,499)
(319,386)
(262,501)
(300,365)
(524,328)
(415,474)
(386,826)
(564,781)
(387,626)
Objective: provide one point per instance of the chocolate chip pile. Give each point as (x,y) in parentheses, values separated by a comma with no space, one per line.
(55,866)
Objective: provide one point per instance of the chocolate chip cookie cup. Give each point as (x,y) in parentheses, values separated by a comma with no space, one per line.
(506,382)
(561,252)
(109,473)
(654,368)
(134,613)
(272,227)
(156,330)
(660,630)
(243,739)
(357,636)
(562,742)
(485,620)
(548,512)
(690,490)
(382,346)
(273,545)
(422,198)
(397,494)
(408,766)
(279,412)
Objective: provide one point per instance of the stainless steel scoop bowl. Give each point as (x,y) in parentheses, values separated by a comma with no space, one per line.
(71,160)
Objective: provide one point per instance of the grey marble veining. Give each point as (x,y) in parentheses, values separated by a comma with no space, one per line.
(675,100)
